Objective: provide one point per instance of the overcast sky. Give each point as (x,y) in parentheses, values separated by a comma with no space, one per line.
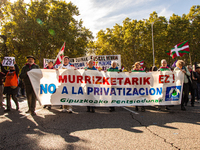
(102,14)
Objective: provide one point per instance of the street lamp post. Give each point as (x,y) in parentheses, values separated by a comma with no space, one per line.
(4,43)
(153,44)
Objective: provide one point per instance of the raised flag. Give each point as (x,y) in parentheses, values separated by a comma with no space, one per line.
(122,68)
(174,64)
(179,50)
(59,57)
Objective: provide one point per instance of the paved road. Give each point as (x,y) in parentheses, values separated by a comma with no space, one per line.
(122,129)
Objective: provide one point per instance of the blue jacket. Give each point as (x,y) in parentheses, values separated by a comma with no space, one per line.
(93,68)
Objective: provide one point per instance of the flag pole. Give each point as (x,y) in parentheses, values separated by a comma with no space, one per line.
(190,59)
(153,43)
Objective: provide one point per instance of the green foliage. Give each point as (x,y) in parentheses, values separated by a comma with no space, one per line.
(133,39)
(40,29)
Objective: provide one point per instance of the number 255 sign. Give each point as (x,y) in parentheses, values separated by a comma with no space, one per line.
(8,61)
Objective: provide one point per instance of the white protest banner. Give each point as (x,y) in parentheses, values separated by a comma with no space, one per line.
(99,88)
(8,61)
(46,61)
(102,62)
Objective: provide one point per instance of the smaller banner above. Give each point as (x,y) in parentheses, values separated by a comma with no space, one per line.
(101,62)
(8,61)
(46,61)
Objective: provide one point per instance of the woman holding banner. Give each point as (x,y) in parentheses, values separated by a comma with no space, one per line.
(113,68)
(180,65)
(90,67)
(11,84)
(137,68)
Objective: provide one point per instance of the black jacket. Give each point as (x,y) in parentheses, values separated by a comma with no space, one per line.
(24,71)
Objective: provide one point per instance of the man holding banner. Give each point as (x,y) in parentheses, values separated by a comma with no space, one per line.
(31,97)
(164,67)
(113,68)
(66,65)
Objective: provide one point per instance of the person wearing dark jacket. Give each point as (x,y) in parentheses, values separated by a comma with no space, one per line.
(192,85)
(197,93)
(21,87)
(11,84)
(31,97)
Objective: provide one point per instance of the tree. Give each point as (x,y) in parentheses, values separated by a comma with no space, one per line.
(194,32)
(178,32)
(40,29)
(133,40)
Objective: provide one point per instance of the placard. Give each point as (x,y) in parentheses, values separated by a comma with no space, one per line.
(46,61)
(101,62)
(8,61)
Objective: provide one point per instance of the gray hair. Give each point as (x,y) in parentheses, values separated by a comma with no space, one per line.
(112,62)
(163,60)
(189,66)
(180,62)
(90,61)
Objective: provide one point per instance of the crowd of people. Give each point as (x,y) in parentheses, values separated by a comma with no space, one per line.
(14,80)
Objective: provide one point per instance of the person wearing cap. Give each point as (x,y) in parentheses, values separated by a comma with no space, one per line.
(66,65)
(113,68)
(137,68)
(30,94)
(10,86)
(90,67)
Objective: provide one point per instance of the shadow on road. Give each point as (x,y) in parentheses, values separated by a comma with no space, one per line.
(27,130)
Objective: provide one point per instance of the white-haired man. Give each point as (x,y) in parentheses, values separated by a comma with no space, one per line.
(164,66)
(113,68)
